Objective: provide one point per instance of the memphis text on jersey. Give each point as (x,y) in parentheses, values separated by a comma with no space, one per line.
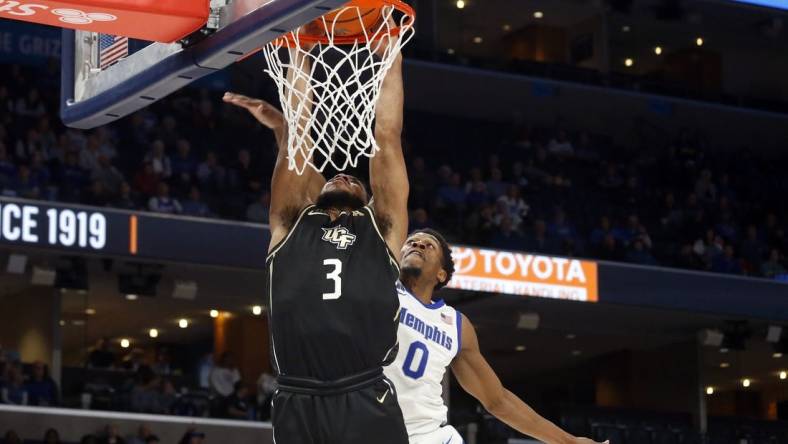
(429,332)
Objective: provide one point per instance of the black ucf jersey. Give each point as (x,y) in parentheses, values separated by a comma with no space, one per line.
(332,297)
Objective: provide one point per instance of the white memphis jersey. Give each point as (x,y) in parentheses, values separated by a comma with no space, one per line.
(429,339)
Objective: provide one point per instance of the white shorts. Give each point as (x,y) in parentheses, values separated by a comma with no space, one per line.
(444,435)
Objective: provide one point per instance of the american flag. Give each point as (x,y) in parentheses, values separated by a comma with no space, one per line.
(111,49)
(447,319)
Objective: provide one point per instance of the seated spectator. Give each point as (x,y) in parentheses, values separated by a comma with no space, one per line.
(538,241)
(143,436)
(146,180)
(127,199)
(102,355)
(97,196)
(611,180)
(184,167)
(726,262)
(108,175)
(192,437)
(224,375)
(194,205)
(163,203)
(159,160)
(560,229)
(560,145)
(89,155)
(210,174)
(14,392)
(25,148)
(609,249)
(772,267)
(752,249)
(111,435)
(258,210)
(515,206)
(51,436)
(73,179)
(603,229)
(518,175)
(39,172)
(507,238)
(31,105)
(420,219)
(7,167)
(41,388)
(236,406)
(476,193)
(451,195)
(639,254)
(496,186)
(150,394)
(24,185)
(11,437)
(705,188)
(244,176)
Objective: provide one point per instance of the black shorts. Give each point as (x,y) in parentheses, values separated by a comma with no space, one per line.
(363,416)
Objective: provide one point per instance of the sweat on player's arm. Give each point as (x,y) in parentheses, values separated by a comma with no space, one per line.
(477,378)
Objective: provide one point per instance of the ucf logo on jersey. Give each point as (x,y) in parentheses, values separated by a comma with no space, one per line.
(339,236)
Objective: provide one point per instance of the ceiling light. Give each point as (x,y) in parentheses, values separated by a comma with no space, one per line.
(709,390)
(783,374)
(90,311)
(62,323)
(153,333)
(507,27)
(724,365)
(183,323)
(520,348)
(257,310)
(658,50)
(723,350)
(745,382)
(629,62)
(538,14)
(699,41)
(571,336)
(625,28)
(777,355)
(214,313)
(131,297)
(460,4)
(450,51)
(477,40)
(576,353)
(125,343)
(78,322)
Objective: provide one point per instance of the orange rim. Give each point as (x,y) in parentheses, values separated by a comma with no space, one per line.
(406,9)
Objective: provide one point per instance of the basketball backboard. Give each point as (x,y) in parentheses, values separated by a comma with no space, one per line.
(92,96)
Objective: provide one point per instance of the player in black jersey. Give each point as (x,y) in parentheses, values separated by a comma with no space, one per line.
(333,304)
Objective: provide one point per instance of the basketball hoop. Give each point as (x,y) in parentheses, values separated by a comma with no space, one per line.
(331,78)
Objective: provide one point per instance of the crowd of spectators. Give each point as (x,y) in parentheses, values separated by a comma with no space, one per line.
(558,190)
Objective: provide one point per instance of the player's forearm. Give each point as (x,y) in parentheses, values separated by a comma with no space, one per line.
(388,112)
(521,417)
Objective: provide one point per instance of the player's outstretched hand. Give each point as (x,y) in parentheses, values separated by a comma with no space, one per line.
(263,111)
(588,441)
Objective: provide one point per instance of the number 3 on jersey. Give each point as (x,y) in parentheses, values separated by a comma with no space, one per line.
(424,354)
(334,275)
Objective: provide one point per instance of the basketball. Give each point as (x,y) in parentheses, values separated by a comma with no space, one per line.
(346,21)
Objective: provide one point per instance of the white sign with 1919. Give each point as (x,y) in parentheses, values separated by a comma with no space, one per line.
(67,228)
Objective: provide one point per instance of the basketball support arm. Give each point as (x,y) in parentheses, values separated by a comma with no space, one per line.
(160,69)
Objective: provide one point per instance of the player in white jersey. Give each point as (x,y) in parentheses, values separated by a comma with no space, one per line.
(433,336)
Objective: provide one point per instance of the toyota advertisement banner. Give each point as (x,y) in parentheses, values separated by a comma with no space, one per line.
(523,274)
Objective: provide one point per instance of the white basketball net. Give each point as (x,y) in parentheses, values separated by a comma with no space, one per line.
(329,93)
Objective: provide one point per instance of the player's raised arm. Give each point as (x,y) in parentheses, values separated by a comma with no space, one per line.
(477,378)
(290,192)
(388,175)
